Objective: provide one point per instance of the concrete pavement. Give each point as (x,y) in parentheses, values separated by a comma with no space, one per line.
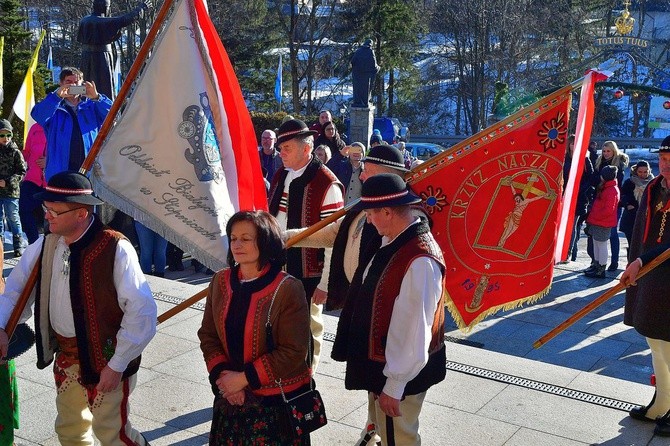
(575,390)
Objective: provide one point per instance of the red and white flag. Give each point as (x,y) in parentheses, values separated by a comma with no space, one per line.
(182,157)
(494,200)
(580,151)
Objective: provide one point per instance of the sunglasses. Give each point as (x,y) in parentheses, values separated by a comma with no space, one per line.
(55,214)
(5,135)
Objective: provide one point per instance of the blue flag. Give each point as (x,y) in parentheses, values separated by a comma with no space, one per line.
(117,76)
(278,82)
(50,60)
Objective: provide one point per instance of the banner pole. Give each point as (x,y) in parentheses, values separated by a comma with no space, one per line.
(290,242)
(23,299)
(125,88)
(599,301)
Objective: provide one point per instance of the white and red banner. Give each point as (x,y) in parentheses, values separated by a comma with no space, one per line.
(585,114)
(182,156)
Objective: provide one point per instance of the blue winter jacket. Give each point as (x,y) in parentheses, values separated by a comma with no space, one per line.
(51,114)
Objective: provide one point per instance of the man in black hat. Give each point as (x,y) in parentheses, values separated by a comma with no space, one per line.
(349,236)
(391,330)
(94,313)
(301,194)
(647,301)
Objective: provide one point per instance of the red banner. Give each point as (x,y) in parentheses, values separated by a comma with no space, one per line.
(494,200)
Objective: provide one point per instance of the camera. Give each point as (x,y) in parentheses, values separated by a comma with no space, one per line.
(76,89)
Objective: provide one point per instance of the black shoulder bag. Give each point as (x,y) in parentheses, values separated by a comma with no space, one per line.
(306,412)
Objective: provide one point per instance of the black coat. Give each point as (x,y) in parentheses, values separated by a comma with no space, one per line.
(648,304)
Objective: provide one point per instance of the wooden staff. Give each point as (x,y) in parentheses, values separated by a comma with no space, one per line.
(23,299)
(599,301)
(290,242)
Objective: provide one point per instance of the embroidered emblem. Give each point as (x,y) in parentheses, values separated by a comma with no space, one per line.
(198,129)
(434,199)
(553,132)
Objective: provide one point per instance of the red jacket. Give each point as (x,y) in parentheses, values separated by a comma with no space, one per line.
(604,208)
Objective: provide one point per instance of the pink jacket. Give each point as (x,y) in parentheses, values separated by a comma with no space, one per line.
(35,148)
(604,209)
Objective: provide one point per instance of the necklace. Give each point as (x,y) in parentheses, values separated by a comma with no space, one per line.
(66,262)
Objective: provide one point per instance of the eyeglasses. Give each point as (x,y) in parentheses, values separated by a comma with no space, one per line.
(55,214)
(5,135)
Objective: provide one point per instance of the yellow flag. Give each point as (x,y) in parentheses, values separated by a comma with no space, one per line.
(25,99)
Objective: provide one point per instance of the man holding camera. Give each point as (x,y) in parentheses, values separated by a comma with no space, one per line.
(71,117)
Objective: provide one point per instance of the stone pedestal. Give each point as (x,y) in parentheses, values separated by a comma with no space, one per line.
(361,121)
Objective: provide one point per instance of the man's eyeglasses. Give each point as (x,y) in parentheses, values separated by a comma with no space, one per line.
(55,214)
(5,135)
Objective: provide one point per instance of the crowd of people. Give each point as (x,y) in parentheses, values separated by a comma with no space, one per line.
(262,329)
(606,203)
(94,313)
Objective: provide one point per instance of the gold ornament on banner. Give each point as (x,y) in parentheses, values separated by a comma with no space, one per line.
(624,23)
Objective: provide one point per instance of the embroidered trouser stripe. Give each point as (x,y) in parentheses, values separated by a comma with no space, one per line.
(390,436)
(82,411)
(402,430)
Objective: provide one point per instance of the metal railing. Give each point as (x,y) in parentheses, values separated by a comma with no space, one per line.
(625,142)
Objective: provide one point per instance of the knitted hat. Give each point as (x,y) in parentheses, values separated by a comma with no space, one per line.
(293,128)
(385,190)
(665,145)
(6,125)
(387,156)
(375,139)
(68,187)
(608,173)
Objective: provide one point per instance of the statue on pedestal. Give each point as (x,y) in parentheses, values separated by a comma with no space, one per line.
(96,33)
(364,68)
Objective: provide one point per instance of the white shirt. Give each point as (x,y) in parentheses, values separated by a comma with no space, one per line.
(409,332)
(138,325)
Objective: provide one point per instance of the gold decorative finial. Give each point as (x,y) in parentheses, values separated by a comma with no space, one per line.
(624,23)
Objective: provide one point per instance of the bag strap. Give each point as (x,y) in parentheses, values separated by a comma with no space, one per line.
(270,344)
(268,326)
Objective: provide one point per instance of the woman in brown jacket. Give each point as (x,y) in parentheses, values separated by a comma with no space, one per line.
(246,365)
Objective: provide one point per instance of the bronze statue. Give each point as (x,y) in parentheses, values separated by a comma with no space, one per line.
(364,68)
(97,31)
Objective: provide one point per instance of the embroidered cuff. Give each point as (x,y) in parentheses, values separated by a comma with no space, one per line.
(252,376)
(215,372)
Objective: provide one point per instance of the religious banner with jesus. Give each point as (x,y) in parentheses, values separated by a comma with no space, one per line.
(494,199)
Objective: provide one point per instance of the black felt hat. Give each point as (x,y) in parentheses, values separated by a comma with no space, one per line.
(293,128)
(385,190)
(69,187)
(665,145)
(385,155)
